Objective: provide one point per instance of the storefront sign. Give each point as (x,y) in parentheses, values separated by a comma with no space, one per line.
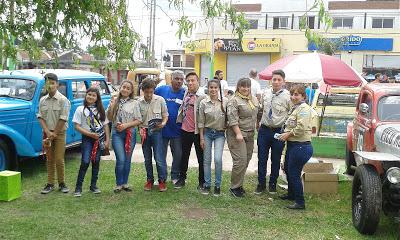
(233,45)
(358,43)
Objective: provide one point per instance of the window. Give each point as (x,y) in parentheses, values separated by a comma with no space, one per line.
(17,88)
(78,89)
(101,85)
(281,22)
(62,88)
(310,22)
(388,108)
(382,23)
(342,23)
(253,23)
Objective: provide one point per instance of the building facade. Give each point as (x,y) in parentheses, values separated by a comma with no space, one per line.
(368,32)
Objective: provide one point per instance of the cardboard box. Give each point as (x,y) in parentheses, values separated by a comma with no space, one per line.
(10,185)
(319,178)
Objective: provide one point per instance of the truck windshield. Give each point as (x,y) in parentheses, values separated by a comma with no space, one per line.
(338,99)
(17,88)
(388,108)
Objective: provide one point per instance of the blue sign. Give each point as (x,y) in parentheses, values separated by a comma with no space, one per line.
(358,43)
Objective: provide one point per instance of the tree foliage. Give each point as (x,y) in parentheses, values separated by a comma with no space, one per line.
(42,23)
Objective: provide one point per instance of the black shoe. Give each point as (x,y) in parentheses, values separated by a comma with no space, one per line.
(180,183)
(217,191)
(63,188)
(200,187)
(286,197)
(272,189)
(236,192)
(241,189)
(95,190)
(48,188)
(259,189)
(296,206)
(205,190)
(78,192)
(127,189)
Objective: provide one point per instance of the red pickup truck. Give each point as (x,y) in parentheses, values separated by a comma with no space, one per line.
(373,156)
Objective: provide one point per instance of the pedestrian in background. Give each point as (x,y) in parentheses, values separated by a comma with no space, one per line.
(212,124)
(155,115)
(255,85)
(171,133)
(219,74)
(274,110)
(124,113)
(242,116)
(299,150)
(90,120)
(53,118)
(187,115)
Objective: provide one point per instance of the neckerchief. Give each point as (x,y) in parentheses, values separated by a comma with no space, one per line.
(128,137)
(249,100)
(96,126)
(272,98)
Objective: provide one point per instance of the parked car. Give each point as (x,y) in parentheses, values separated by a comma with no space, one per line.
(373,154)
(20,92)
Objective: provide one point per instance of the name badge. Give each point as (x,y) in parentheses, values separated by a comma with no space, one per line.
(178,101)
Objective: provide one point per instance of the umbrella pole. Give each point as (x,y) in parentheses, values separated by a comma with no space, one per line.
(323,110)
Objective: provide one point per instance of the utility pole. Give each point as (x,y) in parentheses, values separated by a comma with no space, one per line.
(212,50)
(150,32)
(154,35)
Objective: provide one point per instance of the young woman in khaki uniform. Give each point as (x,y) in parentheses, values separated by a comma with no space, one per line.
(242,116)
(297,133)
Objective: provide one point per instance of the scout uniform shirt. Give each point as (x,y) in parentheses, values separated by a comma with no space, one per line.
(299,123)
(242,114)
(128,111)
(52,109)
(156,109)
(211,114)
(274,108)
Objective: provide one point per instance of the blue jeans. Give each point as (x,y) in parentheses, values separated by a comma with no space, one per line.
(154,144)
(297,155)
(218,137)
(266,141)
(176,150)
(86,149)
(123,159)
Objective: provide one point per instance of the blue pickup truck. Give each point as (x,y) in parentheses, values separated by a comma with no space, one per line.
(20,92)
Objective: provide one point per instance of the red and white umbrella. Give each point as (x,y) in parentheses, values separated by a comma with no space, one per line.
(315,68)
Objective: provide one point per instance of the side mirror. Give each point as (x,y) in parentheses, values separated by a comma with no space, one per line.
(364,108)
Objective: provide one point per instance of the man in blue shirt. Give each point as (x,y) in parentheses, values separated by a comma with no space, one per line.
(171,133)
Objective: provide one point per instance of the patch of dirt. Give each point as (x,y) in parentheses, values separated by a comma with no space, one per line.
(196,213)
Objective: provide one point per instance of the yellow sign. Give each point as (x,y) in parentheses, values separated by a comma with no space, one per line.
(261,45)
(198,46)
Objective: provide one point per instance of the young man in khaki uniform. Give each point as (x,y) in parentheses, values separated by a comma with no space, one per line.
(274,110)
(53,117)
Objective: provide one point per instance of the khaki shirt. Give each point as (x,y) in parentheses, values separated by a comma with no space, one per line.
(52,109)
(156,109)
(199,96)
(211,114)
(127,113)
(280,104)
(240,113)
(299,123)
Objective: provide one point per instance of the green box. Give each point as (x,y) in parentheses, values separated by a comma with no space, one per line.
(10,185)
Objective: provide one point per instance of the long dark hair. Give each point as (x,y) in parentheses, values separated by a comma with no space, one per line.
(243,82)
(115,110)
(220,91)
(98,103)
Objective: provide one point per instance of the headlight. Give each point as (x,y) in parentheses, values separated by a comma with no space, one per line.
(393,175)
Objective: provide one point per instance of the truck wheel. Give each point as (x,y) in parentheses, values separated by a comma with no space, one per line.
(5,156)
(366,199)
(350,161)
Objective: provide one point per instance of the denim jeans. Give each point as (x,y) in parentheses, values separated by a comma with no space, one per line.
(218,137)
(176,150)
(154,145)
(297,155)
(86,149)
(123,159)
(266,141)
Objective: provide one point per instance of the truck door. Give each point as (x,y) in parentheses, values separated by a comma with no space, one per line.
(78,89)
(362,125)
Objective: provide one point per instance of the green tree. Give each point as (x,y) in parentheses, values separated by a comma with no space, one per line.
(41,23)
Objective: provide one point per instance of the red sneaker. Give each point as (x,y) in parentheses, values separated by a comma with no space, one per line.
(149,185)
(162,186)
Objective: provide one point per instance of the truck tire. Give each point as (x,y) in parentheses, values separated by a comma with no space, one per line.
(350,161)
(366,199)
(5,156)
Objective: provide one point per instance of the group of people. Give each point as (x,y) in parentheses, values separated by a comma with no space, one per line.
(178,117)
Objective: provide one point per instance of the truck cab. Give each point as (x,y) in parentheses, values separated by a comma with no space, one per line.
(20,91)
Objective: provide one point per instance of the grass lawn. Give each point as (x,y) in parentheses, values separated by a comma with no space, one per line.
(183,214)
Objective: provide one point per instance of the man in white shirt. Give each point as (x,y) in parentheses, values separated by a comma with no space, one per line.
(255,85)
(219,74)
